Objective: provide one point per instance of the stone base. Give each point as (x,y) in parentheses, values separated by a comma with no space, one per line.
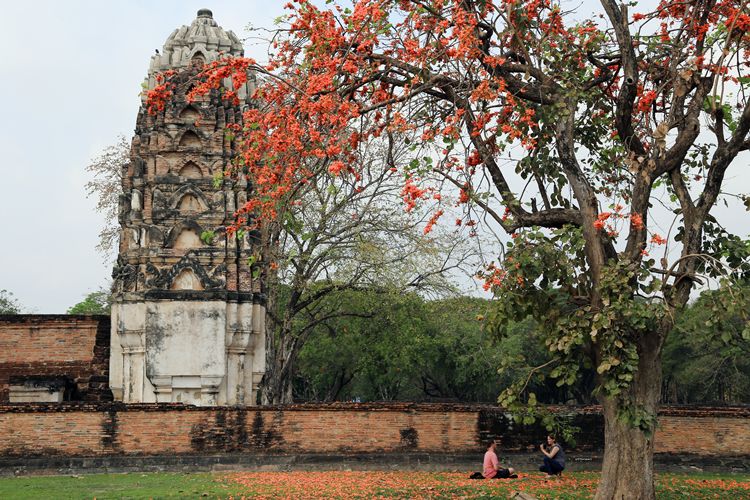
(24,394)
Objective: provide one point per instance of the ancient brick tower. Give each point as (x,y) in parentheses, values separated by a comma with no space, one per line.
(187,319)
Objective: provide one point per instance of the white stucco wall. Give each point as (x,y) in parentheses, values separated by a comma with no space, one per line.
(194,352)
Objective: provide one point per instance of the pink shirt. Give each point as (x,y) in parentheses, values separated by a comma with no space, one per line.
(490,464)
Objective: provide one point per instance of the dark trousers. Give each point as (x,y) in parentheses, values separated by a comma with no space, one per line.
(551,467)
(502,474)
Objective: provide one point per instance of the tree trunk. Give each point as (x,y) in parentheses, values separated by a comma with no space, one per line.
(628,467)
(277,385)
(280,358)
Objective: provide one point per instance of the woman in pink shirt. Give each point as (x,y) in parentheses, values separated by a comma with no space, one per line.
(492,469)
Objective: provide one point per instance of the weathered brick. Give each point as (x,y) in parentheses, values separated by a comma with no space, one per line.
(47,345)
(161,429)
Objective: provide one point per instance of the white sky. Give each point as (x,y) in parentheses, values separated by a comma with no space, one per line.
(69,82)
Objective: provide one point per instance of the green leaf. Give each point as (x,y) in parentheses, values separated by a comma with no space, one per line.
(208,237)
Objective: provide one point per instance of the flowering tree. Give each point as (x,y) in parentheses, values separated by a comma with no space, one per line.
(570,135)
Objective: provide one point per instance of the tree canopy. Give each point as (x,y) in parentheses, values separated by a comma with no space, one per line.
(106,184)
(440,350)
(336,237)
(409,349)
(8,303)
(706,359)
(94,303)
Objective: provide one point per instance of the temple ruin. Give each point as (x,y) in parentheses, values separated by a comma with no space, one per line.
(187,317)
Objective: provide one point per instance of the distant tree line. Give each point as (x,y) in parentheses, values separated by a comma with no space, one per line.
(404,348)
(706,360)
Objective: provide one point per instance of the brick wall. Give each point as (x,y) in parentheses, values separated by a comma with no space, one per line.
(43,430)
(75,347)
(165,429)
(705,435)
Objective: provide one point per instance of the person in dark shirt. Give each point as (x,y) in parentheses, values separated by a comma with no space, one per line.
(554,457)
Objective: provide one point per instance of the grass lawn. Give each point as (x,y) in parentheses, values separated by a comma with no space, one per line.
(352,484)
(134,485)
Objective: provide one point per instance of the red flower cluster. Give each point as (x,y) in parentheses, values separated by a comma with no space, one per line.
(658,240)
(412,194)
(608,220)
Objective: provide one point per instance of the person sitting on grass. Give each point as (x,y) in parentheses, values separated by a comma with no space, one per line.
(492,469)
(554,457)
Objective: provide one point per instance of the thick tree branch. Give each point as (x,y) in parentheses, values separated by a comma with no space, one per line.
(618,16)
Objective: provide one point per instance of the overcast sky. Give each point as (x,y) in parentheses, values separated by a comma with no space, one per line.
(69,83)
